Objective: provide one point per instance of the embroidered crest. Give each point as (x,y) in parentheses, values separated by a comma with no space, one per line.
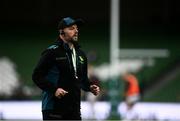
(81,59)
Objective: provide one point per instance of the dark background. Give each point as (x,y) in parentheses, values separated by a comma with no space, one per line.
(49,12)
(154,13)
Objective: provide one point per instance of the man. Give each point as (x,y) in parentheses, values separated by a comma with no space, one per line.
(61,73)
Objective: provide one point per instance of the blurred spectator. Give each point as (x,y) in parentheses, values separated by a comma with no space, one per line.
(131,96)
(132,90)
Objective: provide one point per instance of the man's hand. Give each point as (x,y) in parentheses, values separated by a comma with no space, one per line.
(95,89)
(60,92)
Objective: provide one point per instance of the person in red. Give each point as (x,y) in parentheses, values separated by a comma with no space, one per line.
(132,90)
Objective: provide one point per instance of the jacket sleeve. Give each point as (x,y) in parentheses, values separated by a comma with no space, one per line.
(41,70)
(85,82)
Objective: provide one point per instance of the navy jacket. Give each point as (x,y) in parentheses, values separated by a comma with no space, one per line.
(54,70)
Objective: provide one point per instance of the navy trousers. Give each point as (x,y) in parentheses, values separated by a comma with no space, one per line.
(52,115)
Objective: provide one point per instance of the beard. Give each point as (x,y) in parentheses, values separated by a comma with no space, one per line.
(75,38)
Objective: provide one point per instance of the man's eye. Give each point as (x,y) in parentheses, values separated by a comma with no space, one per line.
(71,28)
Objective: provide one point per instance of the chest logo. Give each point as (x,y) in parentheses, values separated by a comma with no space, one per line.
(81,59)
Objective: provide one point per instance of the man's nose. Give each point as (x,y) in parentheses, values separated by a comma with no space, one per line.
(76,30)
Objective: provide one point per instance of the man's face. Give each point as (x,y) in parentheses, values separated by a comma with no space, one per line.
(71,33)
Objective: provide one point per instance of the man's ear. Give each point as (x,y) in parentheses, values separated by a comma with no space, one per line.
(61,32)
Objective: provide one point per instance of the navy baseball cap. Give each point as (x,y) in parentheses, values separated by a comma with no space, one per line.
(68,21)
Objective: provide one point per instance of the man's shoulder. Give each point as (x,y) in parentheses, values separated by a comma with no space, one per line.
(55,45)
(50,49)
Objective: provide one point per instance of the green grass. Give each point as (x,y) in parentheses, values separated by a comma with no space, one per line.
(169,93)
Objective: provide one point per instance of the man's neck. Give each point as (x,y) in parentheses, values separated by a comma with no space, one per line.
(71,45)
